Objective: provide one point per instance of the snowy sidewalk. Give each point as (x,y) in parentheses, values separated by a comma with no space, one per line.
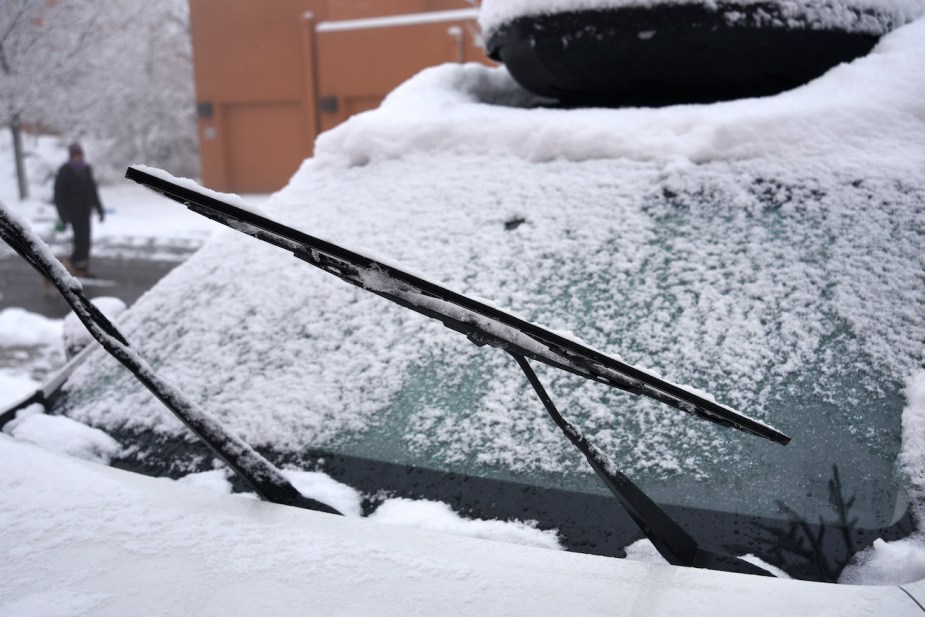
(126,279)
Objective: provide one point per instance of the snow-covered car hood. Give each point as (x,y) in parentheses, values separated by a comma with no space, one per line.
(90,540)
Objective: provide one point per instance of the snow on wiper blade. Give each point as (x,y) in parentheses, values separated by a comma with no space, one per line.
(482,323)
(262,476)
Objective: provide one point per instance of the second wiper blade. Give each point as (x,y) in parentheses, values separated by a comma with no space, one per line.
(482,323)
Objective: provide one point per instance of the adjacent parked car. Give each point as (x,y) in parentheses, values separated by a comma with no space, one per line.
(620,52)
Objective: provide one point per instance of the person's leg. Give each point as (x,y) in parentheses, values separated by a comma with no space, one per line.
(80,258)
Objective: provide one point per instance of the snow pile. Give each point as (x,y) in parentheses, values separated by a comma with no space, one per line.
(64,436)
(868,16)
(15,386)
(438,516)
(214,480)
(761,563)
(327,490)
(20,327)
(643,550)
(888,563)
(316,485)
(30,348)
(417,514)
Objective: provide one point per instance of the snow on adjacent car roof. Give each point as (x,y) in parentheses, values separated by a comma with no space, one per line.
(878,15)
(859,117)
(637,229)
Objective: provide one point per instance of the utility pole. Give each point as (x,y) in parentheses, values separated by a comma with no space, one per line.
(19,157)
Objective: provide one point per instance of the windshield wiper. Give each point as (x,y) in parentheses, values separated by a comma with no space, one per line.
(262,476)
(486,325)
(483,324)
(669,538)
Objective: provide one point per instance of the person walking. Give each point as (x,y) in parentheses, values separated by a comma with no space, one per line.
(76,195)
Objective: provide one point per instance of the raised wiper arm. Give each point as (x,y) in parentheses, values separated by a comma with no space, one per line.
(669,538)
(262,476)
(482,323)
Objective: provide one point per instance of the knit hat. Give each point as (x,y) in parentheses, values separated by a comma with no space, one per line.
(75,149)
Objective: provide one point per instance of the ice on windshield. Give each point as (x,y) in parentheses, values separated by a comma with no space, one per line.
(766,251)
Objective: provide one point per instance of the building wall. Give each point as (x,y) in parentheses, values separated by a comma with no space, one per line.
(359,62)
(270,75)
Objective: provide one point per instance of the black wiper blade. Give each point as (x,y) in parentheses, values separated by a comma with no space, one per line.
(667,536)
(262,476)
(482,323)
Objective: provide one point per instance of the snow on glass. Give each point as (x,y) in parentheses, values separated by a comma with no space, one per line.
(764,250)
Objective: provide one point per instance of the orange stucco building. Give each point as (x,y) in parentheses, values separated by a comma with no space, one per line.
(272,74)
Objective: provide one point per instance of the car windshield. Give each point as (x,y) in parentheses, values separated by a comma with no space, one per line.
(728,247)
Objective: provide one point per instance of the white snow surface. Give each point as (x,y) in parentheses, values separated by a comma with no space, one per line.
(21,327)
(416,514)
(437,516)
(15,386)
(213,480)
(888,563)
(324,488)
(643,550)
(820,14)
(88,540)
(63,435)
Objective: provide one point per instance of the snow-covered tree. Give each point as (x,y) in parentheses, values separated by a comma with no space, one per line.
(117,71)
(148,112)
(42,44)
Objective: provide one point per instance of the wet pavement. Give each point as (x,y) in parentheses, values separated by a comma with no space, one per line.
(123,278)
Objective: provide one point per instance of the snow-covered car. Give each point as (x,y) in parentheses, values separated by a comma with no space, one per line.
(766,251)
(620,52)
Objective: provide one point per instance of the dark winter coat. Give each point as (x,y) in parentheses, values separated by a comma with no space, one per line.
(76,193)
